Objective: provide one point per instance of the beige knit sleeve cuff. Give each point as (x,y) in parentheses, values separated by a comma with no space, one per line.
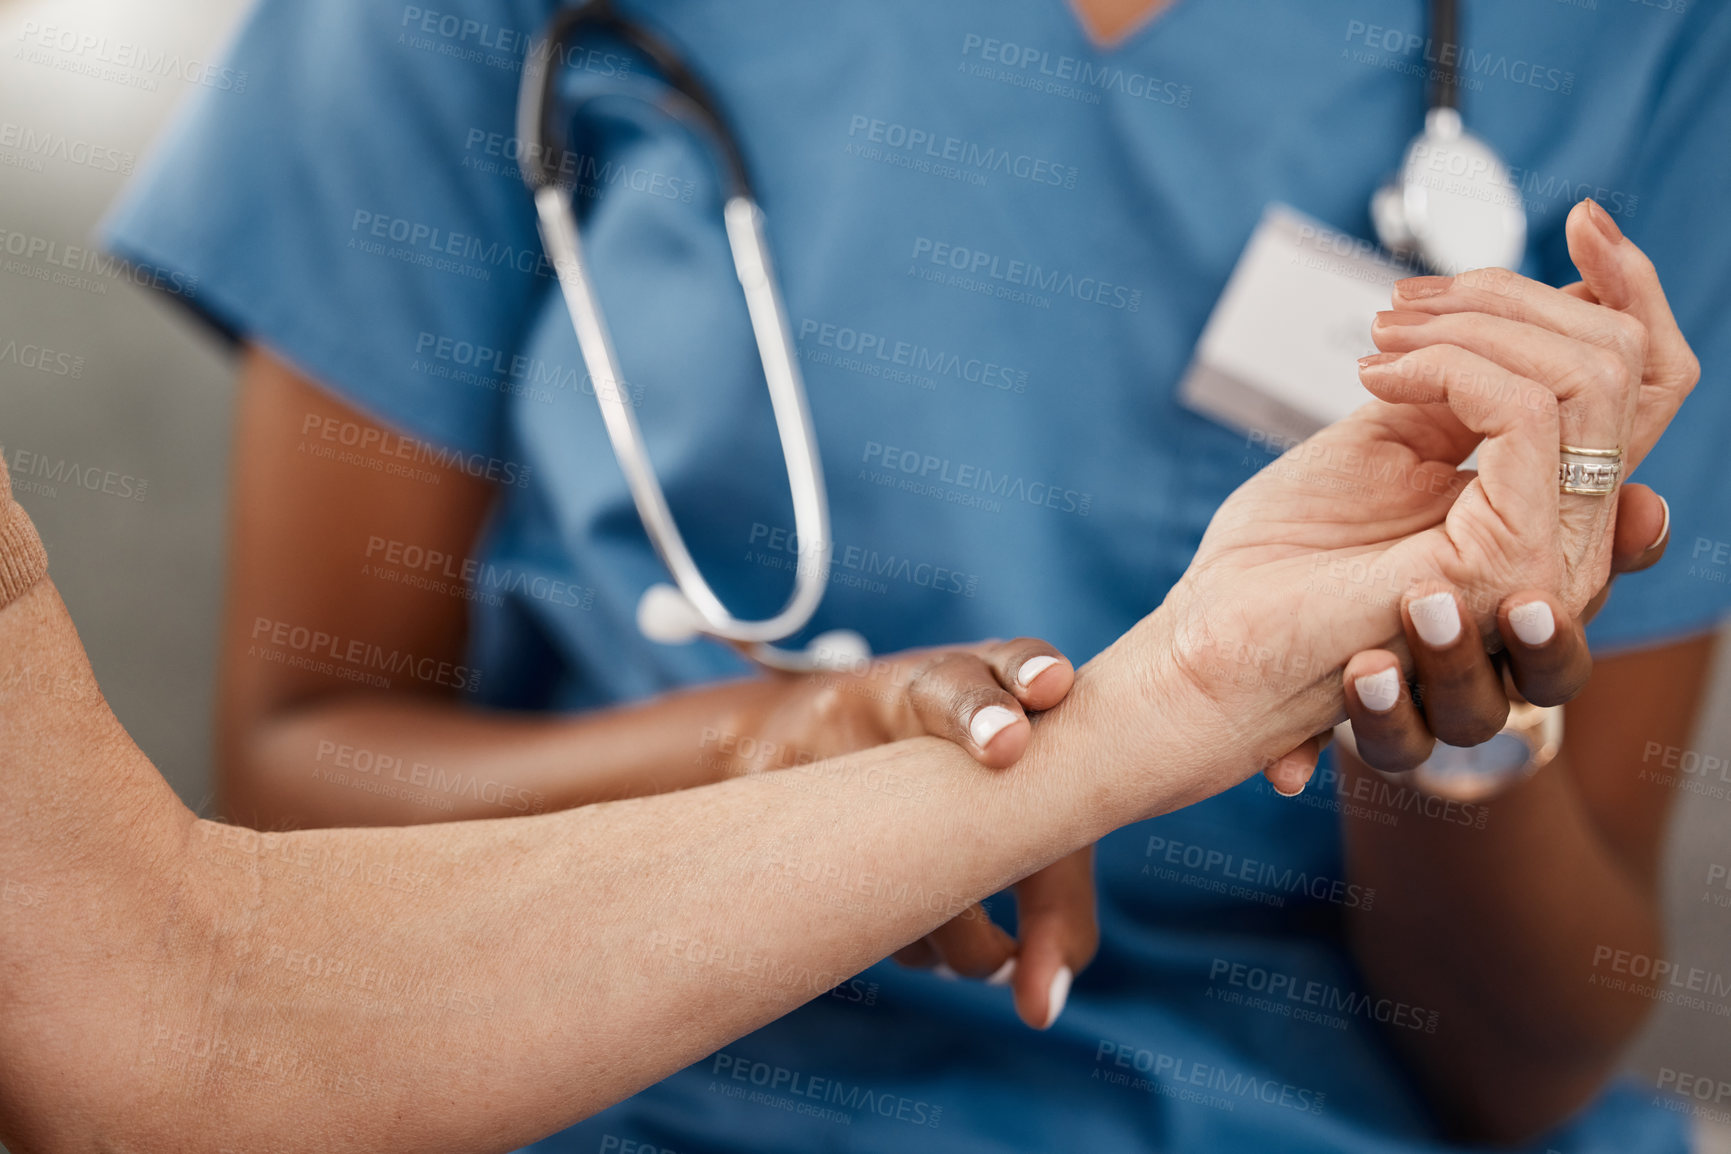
(22,559)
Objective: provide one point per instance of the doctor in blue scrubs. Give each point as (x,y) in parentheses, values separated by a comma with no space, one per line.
(1000,230)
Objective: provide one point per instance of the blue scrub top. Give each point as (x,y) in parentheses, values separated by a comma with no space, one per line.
(998,243)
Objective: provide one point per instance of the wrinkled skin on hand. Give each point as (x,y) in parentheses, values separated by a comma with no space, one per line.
(1306,563)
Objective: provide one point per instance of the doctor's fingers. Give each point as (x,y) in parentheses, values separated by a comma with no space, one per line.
(1035,672)
(1460,699)
(1547,653)
(1059,930)
(1059,935)
(1387,727)
(971,945)
(1643,531)
(1518,458)
(1290,772)
(1460,691)
(977,698)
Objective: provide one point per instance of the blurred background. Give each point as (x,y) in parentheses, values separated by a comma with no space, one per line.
(123,383)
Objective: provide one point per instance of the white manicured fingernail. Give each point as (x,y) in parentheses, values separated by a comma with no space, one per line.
(1437,619)
(988,723)
(1032,668)
(943,971)
(1379,691)
(1057,995)
(1005,973)
(1533,622)
(1294,793)
(1665,525)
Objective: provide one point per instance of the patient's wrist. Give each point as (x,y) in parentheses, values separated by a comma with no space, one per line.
(1130,740)
(1147,730)
(22,558)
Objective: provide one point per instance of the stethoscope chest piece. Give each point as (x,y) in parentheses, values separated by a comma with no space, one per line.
(1453,204)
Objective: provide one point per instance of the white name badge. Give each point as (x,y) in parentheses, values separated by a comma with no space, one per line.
(1279,356)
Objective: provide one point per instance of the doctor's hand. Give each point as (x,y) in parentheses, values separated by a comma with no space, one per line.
(1459,692)
(978,697)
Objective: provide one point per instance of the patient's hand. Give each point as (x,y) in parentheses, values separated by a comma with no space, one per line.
(1463,700)
(1308,562)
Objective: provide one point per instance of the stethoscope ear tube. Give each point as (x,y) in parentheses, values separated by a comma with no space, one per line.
(540,132)
(1445,36)
(536,99)
(689,607)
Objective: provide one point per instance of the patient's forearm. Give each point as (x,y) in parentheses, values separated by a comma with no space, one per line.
(175,983)
(551,966)
(172,984)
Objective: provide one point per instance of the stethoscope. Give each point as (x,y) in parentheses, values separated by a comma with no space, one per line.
(1451,205)
(687,609)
